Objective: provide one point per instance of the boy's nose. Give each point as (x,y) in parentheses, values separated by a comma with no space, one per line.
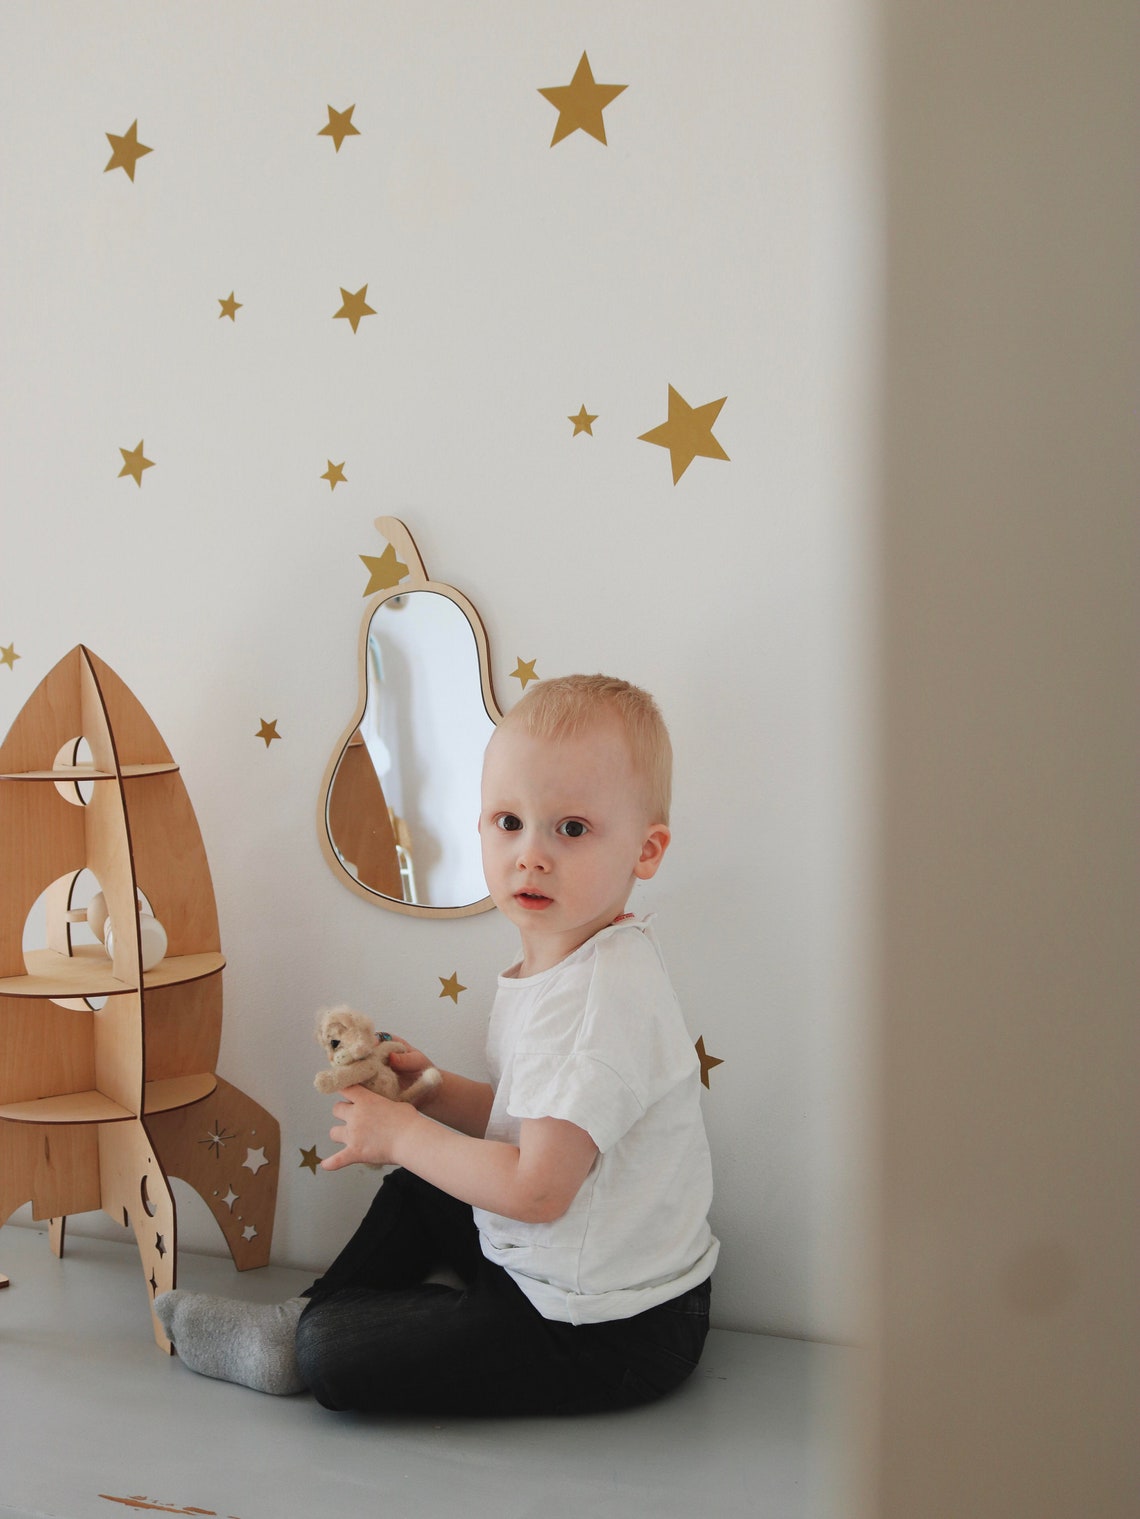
(532,856)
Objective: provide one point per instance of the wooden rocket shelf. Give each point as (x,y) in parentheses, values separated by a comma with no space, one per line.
(107,1072)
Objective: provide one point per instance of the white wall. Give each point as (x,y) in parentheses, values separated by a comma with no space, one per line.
(722,243)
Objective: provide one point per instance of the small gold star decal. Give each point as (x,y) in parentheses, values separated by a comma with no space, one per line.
(134,463)
(339,126)
(310,1160)
(383,572)
(580,103)
(687,433)
(335,475)
(355,307)
(229,306)
(582,422)
(524,671)
(254,1160)
(126,150)
(708,1062)
(451,987)
(268,731)
(8,655)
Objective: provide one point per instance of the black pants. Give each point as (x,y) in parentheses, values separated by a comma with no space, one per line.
(376,1338)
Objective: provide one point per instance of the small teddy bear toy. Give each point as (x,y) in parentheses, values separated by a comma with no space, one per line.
(360,1057)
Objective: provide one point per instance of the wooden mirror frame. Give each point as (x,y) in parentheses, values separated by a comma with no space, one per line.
(416,578)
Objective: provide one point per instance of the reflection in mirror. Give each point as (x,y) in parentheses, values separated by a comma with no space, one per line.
(401,802)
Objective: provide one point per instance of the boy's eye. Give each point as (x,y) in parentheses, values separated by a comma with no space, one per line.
(509,823)
(572,828)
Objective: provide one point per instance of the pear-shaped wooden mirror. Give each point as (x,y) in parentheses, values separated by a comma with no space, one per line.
(399,802)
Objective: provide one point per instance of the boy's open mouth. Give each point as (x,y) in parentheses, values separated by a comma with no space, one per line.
(533,900)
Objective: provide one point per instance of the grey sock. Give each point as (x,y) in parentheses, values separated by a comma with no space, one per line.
(247,1343)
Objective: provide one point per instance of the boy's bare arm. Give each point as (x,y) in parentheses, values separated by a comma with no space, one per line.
(535,1181)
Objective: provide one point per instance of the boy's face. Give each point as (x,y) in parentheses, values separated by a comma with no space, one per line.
(564,834)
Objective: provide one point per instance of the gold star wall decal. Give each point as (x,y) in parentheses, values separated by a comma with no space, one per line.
(524,671)
(310,1160)
(8,655)
(339,126)
(580,103)
(355,308)
(335,475)
(451,987)
(268,731)
(708,1062)
(126,150)
(383,572)
(687,433)
(582,422)
(229,306)
(134,463)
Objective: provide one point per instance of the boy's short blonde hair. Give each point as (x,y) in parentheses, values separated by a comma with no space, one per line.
(566,705)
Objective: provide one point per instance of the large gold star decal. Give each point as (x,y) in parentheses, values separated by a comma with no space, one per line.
(335,475)
(310,1160)
(383,572)
(229,306)
(524,671)
(583,422)
(8,655)
(451,987)
(580,103)
(134,463)
(267,731)
(355,307)
(687,433)
(708,1062)
(339,126)
(126,150)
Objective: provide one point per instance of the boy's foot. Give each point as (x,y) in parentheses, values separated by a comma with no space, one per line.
(247,1343)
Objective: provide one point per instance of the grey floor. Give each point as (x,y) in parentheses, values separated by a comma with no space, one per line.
(95,1421)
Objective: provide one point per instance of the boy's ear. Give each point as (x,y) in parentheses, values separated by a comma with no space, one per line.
(653,849)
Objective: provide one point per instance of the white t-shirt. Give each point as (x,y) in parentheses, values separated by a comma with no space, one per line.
(599,1040)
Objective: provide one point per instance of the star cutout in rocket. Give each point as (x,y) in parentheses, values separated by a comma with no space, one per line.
(451,987)
(310,1160)
(580,103)
(355,307)
(126,150)
(134,463)
(687,433)
(583,423)
(8,655)
(383,572)
(335,475)
(248,1233)
(229,306)
(524,671)
(708,1062)
(216,1138)
(267,731)
(339,126)
(254,1160)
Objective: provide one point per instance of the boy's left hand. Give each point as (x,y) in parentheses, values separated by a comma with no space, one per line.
(367,1129)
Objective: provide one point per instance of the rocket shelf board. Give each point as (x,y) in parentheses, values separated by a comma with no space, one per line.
(94,1107)
(89,773)
(87,973)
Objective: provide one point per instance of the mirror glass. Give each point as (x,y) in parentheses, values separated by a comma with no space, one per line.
(403,804)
